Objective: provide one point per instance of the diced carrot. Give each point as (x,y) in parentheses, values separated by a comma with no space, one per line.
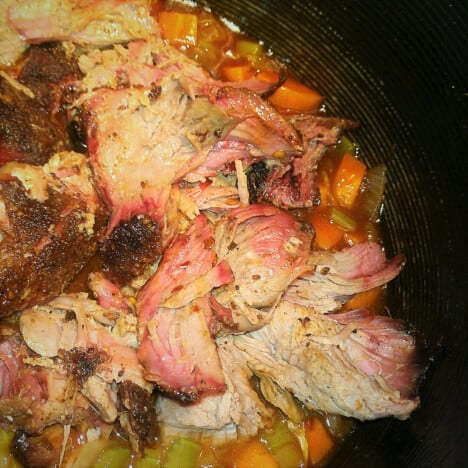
(319,441)
(251,454)
(364,300)
(179,28)
(348,179)
(327,234)
(237,70)
(292,94)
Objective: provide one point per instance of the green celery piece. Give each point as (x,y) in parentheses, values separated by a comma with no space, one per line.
(345,145)
(284,446)
(342,219)
(244,48)
(7,460)
(183,453)
(115,457)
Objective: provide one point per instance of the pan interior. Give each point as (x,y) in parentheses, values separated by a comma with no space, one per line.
(399,69)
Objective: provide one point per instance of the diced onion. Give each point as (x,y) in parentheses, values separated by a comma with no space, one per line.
(372,197)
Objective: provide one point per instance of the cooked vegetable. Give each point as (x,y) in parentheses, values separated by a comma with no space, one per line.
(372,196)
(251,454)
(342,219)
(6,459)
(91,452)
(237,70)
(246,48)
(348,180)
(319,440)
(327,234)
(179,28)
(183,453)
(116,457)
(284,446)
(345,145)
(364,300)
(292,94)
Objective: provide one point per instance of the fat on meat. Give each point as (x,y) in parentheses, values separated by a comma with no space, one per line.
(12,45)
(99,22)
(50,221)
(355,364)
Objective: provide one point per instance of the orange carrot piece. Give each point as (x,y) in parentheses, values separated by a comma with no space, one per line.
(251,454)
(348,179)
(327,234)
(292,94)
(239,70)
(364,300)
(319,440)
(179,28)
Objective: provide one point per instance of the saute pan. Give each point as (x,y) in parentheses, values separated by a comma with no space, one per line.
(401,69)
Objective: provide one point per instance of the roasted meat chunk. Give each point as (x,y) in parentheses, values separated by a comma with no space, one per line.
(337,276)
(35,393)
(95,350)
(49,224)
(355,364)
(174,312)
(238,412)
(33,125)
(266,249)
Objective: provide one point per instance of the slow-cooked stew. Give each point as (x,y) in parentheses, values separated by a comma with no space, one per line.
(188,225)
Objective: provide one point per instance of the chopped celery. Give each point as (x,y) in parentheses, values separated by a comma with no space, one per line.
(6,458)
(284,446)
(342,219)
(345,145)
(371,200)
(244,48)
(115,457)
(183,453)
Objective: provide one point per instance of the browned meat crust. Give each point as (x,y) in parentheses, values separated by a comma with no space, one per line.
(130,248)
(32,129)
(38,451)
(44,244)
(81,362)
(141,413)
